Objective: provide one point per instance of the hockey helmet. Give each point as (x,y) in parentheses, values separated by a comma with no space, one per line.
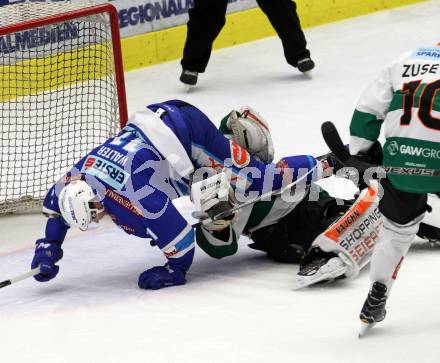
(77,202)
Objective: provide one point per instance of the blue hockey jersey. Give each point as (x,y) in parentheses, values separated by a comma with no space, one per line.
(137,173)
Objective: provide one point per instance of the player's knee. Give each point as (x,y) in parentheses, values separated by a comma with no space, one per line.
(400,234)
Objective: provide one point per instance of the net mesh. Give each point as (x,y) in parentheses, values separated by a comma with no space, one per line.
(58,98)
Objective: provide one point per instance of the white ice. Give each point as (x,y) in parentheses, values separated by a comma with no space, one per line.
(240,309)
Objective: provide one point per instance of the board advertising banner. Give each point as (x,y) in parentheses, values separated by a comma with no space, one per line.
(143,16)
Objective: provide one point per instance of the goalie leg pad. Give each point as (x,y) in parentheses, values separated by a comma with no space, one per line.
(289,238)
(353,236)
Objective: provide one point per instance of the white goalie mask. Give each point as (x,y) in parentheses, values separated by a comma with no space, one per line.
(76,204)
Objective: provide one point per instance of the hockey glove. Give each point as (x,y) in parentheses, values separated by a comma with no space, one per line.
(47,254)
(329,164)
(373,156)
(161,276)
(251,131)
(213,197)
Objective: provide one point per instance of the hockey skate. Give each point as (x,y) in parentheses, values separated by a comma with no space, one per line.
(324,267)
(429,233)
(373,310)
(305,65)
(189,78)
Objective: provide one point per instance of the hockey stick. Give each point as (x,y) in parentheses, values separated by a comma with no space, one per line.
(334,142)
(270,194)
(33,272)
(205,220)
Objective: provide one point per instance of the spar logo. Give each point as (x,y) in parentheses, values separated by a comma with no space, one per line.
(431,53)
(240,156)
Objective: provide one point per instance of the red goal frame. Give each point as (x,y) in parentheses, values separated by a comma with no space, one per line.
(116,40)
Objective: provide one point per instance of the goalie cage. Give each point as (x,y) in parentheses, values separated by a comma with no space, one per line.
(61,93)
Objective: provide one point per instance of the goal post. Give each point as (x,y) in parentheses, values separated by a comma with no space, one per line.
(62,93)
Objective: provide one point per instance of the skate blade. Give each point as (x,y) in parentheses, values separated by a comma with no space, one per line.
(300,283)
(365,328)
(305,281)
(187,87)
(320,275)
(308,74)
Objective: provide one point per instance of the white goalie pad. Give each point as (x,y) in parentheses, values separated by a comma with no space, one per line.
(352,237)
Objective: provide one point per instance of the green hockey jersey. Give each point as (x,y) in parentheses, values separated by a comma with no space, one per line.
(405,100)
(250,218)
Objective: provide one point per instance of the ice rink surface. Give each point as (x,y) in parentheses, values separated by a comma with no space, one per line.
(240,309)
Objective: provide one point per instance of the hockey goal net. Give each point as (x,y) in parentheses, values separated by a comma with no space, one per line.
(61,93)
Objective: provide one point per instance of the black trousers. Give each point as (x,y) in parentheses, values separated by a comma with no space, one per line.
(207,18)
(401,207)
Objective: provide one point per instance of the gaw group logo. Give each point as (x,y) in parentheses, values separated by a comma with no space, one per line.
(418,151)
(393,148)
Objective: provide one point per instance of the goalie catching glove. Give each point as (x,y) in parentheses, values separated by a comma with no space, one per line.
(213,198)
(251,131)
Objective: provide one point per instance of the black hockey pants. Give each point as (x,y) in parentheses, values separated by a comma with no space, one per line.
(401,207)
(207,18)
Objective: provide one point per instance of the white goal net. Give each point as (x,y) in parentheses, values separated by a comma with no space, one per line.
(61,93)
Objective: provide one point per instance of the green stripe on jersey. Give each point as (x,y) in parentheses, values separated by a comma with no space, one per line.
(399,97)
(397,101)
(365,125)
(259,212)
(223,128)
(216,251)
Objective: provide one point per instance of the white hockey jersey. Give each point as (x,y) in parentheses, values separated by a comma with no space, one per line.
(250,218)
(405,97)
